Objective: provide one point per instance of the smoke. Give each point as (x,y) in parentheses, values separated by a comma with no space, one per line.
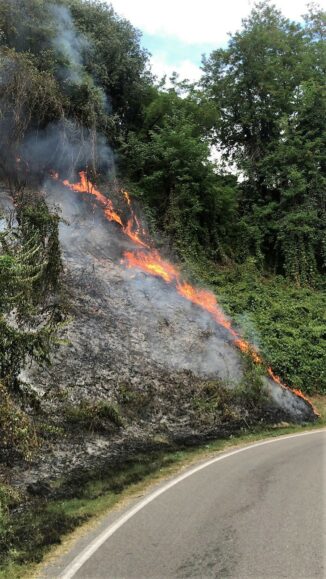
(69,43)
(73,46)
(67,149)
(249,330)
(65,146)
(141,323)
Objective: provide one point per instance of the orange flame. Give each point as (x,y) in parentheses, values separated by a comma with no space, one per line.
(127,197)
(132,229)
(85,186)
(150,262)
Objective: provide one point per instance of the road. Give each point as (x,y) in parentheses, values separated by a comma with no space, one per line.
(254,512)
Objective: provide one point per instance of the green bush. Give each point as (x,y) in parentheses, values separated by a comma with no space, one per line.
(95,417)
(286,322)
(17,433)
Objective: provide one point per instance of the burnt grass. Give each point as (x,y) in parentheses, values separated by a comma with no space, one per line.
(38,519)
(39,514)
(141,376)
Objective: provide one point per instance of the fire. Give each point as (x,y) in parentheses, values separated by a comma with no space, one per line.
(127,197)
(205,300)
(247,349)
(86,186)
(131,229)
(150,262)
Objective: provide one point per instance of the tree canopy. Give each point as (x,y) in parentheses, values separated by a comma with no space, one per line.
(231,169)
(268,87)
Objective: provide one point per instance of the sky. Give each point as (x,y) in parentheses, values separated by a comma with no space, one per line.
(178,32)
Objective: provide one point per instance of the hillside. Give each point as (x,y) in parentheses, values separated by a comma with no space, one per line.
(149,297)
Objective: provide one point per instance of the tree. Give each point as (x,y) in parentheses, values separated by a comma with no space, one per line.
(169,161)
(267,86)
(72,64)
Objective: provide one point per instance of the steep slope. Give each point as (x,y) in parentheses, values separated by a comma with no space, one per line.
(138,360)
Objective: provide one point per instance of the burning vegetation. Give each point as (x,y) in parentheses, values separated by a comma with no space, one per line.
(140,357)
(150,262)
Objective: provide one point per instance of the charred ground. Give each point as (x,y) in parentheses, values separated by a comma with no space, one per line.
(99,361)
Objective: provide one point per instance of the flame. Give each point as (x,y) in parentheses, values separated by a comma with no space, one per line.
(86,186)
(150,262)
(248,349)
(127,197)
(296,391)
(131,229)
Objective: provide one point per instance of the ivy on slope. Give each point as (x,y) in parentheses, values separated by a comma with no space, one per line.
(286,322)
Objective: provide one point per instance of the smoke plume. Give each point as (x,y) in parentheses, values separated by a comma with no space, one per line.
(69,43)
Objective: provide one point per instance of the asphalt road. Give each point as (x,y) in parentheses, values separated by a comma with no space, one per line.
(259,512)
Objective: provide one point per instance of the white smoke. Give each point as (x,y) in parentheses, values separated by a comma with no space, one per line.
(69,42)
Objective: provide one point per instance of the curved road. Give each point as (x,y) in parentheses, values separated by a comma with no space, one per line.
(256,512)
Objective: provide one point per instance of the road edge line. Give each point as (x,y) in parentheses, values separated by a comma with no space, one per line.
(74,566)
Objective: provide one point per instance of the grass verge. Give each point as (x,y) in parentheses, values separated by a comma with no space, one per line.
(34,533)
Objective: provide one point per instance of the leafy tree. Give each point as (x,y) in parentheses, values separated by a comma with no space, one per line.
(269,91)
(116,61)
(74,63)
(169,160)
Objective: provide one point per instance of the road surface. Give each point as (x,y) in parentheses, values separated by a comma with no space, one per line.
(254,512)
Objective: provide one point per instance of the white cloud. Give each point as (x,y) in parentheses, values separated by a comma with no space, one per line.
(196,22)
(185,69)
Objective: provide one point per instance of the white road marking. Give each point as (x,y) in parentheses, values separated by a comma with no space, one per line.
(82,557)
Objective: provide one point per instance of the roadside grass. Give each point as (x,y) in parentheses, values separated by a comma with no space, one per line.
(48,529)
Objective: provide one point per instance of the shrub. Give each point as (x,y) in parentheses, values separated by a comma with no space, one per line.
(95,417)
(17,434)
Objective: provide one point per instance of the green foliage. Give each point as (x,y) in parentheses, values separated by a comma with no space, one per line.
(27,535)
(169,160)
(268,87)
(30,265)
(287,322)
(117,62)
(17,433)
(99,82)
(95,417)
